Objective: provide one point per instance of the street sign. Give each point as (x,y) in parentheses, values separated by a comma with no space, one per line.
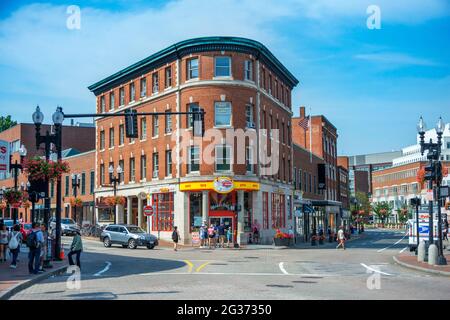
(4,156)
(148,211)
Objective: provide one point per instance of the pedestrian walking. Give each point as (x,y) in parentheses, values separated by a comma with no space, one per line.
(341,238)
(211,236)
(35,241)
(15,240)
(3,242)
(229,236)
(203,236)
(221,233)
(44,246)
(175,238)
(75,249)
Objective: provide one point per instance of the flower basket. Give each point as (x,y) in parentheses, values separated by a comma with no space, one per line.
(3,205)
(14,197)
(40,169)
(282,239)
(76,202)
(314,239)
(26,204)
(112,201)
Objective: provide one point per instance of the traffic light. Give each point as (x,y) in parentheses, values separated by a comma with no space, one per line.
(430,171)
(199,123)
(131,125)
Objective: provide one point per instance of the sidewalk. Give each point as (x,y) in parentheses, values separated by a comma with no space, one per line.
(410,261)
(15,280)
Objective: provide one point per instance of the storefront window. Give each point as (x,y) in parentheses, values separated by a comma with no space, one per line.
(221,202)
(163,217)
(265,208)
(248,211)
(106,214)
(278,211)
(195,210)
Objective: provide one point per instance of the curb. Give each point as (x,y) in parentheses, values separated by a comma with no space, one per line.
(406,265)
(28,283)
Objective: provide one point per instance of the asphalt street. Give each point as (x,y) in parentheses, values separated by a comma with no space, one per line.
(365,270)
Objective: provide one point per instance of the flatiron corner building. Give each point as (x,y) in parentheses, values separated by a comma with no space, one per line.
(240,84)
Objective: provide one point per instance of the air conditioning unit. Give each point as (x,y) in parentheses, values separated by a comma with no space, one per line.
(251,125)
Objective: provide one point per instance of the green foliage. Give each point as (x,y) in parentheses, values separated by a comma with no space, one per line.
(382,209)
(6,123)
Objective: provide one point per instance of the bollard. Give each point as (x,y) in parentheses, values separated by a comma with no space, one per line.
(433,254)
(421,250)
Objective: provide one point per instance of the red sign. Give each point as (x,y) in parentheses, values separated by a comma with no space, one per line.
(148,210)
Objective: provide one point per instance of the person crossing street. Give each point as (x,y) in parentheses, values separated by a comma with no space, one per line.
(341,238)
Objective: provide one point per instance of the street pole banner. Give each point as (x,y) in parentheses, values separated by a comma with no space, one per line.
(4,156)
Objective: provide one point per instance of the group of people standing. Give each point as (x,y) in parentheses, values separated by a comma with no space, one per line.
(215,236)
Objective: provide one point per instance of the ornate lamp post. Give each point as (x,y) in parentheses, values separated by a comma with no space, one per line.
(115,180)
(15,167)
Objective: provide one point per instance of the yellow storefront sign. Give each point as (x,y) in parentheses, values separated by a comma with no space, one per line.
(209,185)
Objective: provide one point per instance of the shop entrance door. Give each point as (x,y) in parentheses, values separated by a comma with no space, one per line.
(227,221)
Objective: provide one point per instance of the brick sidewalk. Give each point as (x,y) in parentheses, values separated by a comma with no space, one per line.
(11,278)
(410,261)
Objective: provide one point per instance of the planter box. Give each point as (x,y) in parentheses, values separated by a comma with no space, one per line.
(282,242)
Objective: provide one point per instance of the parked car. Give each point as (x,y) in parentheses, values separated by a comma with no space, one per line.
(68,226)
(130,236)
(25,229)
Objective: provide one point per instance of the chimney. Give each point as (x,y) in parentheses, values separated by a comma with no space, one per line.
(302,111)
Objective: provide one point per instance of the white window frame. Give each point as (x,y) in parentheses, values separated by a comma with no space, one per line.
(143,84)
(189,68)
(168,122)
(195,160)
(112,99)
(215,114)
(217,162)
(168,163)
(248,70)
(121,97)
(155,126)
(155,84)
(155,165)
(228,58)
(249,159)
(143,129)
(132,92)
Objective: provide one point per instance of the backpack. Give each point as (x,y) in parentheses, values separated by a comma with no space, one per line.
(13,242)
(174,235)
(32,241)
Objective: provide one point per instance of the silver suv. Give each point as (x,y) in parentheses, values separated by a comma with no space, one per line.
(68,226)
(127,235)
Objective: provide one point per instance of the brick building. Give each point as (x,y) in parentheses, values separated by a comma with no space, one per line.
(77,138)
(241,85)
(343,188)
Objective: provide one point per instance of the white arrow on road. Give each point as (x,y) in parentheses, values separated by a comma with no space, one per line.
(108,265)
(282,268)
(375,270)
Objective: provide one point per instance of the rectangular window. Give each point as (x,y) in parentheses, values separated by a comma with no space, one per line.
(121,96)
(111,101)
(270,84)
(193,107)
(155,82)
(223,158)
(222,66)
(102,140)
(121,134)
(67,187)
(194,159)
(168,122)
(143,87)
(249,116)
(249,159)
(102,104)
(162,219)
(132,170)
(122,175)
(155,165)
(300,179)
(155,126)
(143,128)
(263,120)
(168,78)
(111,137)
(276,88)
(168,163)
(102,174)
(195,210)
(263,78)
(192,69)
(83,183)
(92,182)
(143,167)
(222,114)
(248,70)
(132,92)
(265,209)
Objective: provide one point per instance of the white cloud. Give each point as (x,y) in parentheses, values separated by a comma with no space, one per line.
(395,59)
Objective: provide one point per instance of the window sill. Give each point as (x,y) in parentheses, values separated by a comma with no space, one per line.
(132,142)
(121,146)
(193,174)
(168,88)
(143,140)
(101,150)
(143,180)
(111,148)
(223,78)
(223,127)
(155,93)
(192,80)
(168,133)
(226,172)
(155,137)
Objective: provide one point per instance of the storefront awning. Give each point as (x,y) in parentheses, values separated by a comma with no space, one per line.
(213,185)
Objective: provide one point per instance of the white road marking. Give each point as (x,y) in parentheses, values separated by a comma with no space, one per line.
(282,268)
(393,244)
(375,270)
(403,249)
(108,265)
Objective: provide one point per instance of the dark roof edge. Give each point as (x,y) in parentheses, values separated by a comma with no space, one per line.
(178,48)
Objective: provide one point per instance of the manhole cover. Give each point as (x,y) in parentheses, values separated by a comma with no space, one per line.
(311,277)
(279,286)
(251,257)
(304,281)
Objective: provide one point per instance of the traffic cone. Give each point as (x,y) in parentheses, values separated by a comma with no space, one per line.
(61,252)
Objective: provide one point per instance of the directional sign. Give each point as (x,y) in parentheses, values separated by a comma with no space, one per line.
(148,210)
(4,156)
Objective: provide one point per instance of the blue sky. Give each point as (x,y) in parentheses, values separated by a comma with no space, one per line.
(372,84)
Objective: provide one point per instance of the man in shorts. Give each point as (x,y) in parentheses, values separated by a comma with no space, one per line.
(221,232)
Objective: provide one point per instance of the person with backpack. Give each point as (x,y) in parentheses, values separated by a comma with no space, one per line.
(3,242)
(35,240)
(175,238)
(75,249)
(15,240)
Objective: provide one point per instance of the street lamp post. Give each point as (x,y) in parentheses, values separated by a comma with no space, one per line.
(2,192)
(47,140)
(115,180)
(75,185)
(434,168)
(15,167)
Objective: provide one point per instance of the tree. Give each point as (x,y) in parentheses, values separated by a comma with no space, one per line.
(403,214)
(382,210)
(6,123)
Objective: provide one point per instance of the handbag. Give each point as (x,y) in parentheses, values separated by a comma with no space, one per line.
(13,242)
